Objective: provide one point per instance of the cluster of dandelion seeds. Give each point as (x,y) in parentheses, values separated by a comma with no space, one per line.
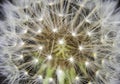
(60,42)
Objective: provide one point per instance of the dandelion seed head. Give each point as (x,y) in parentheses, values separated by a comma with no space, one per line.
(59,41)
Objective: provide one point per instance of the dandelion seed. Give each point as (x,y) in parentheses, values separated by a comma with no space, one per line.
(89,33)
(87,63)
(25,73)
(81,48)
(61,41)
(71,59)
(40,19)
(90,83)
(60,15)
(39,31)
(35,60)
(40,47)
(25,31)
(74,34)
(51,80)
(21,43)
(97,73)
(87,20)
(49,57)
(55,30)
(40,77)
(77,78)
(21,56)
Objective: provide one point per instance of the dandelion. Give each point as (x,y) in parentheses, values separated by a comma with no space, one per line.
(60,42)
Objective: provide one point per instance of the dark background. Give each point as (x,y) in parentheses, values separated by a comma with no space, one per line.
(2,18)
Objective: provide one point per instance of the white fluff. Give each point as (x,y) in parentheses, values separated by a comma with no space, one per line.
(11,42)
